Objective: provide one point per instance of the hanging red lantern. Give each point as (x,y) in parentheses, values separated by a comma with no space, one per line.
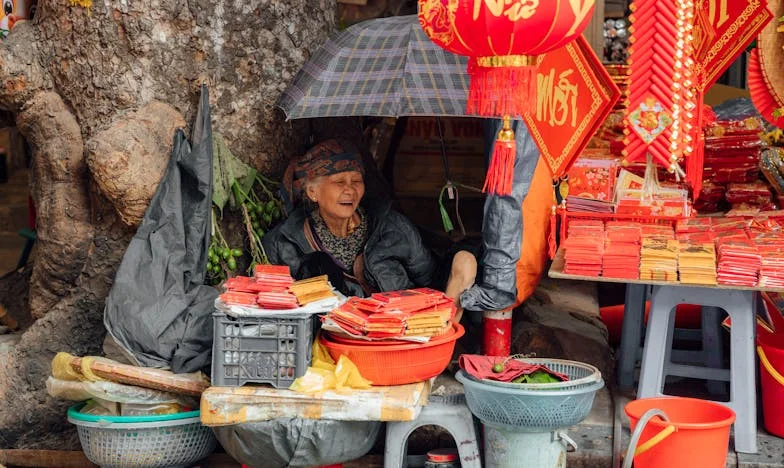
(504,39)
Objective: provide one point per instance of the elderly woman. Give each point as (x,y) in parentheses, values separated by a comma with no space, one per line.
(363,246)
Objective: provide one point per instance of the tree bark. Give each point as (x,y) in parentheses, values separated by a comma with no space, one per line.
(73,76)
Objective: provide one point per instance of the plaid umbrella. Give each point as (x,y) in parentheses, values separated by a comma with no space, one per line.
(380,67)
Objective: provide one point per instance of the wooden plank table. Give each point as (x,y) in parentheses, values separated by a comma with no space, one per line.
(221,406)
(557,271)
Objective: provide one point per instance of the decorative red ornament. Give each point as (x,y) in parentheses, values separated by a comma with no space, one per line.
(504,39)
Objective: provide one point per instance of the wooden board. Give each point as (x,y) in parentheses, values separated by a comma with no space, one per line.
(557,267)
(221,406)
(156,379)
(45,458)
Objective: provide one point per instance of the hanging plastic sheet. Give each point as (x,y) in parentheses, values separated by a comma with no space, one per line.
(159,309)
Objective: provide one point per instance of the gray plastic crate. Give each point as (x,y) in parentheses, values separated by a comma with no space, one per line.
(274,350)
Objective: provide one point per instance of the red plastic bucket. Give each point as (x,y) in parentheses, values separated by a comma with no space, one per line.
(696,433)
(771,353)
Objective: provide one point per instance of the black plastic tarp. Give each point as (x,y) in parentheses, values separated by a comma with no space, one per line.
(159,309)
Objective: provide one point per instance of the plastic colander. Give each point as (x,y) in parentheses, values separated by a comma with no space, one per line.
(172,440)
(534,407)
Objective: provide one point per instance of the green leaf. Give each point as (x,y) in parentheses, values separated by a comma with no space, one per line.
(538,376)
(226,170)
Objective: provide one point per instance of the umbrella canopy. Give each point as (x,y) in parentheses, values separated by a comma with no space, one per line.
(381,67)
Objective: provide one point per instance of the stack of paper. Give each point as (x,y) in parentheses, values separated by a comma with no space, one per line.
(621,250)
(584,248)
(694,230)
(273,282)
(739,261)
(659,259)
(413,312)
(312,289)
(657,231)
(697,263)
(771,249)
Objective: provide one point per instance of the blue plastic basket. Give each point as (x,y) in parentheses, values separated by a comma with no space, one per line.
(526,408)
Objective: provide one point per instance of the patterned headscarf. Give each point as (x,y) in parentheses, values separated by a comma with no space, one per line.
(326,158)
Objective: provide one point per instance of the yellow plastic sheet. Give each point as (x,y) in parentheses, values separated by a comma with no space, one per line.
(325,374)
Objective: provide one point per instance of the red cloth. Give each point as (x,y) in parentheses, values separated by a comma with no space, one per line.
(481,367)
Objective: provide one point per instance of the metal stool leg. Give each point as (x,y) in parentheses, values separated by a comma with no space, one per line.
(631,333)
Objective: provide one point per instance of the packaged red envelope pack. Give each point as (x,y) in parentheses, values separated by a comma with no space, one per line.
(273,275)
(593,178)
(277,300)
(754,193)
(738,262)
(693,225)
(238,298)
(584,248)
(622,250)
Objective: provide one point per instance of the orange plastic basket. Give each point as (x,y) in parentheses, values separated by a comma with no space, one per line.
(399,364)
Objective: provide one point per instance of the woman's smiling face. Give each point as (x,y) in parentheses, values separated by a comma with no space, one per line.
(338,195)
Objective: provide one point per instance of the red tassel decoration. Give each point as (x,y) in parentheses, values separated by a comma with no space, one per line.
(500,174)
(551,245)
(504,85)
(695,162)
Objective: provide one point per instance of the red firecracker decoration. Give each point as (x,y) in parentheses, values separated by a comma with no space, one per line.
(504,40)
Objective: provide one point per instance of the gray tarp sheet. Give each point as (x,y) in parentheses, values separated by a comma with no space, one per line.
(288,442)
(159,309)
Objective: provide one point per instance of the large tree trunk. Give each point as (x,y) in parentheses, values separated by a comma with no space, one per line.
(85,87)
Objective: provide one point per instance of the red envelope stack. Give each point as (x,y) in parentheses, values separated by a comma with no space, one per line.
(694,230)
(771,249)
(621,250)
(274,282)
(739,261)
(411,312)
(584,248)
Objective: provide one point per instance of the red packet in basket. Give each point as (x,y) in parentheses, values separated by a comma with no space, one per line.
(481,367)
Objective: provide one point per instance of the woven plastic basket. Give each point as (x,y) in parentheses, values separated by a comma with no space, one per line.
(521,408)
(176,440)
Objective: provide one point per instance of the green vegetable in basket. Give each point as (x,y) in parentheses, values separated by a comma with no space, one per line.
(536,377)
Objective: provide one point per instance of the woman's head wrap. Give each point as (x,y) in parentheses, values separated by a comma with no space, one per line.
(324,159)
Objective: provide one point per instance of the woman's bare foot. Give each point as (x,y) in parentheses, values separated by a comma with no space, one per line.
(461,277)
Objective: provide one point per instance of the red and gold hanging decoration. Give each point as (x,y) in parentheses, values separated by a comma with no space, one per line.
(678,50)
(504,40)
(661,94)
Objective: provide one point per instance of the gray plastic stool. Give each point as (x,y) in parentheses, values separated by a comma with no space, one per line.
(657,355)
(633,327)
(452,414)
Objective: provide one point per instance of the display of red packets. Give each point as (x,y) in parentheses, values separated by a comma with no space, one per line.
(621,250)
(584,248)
(738,261)
(411,312)
(238,298)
